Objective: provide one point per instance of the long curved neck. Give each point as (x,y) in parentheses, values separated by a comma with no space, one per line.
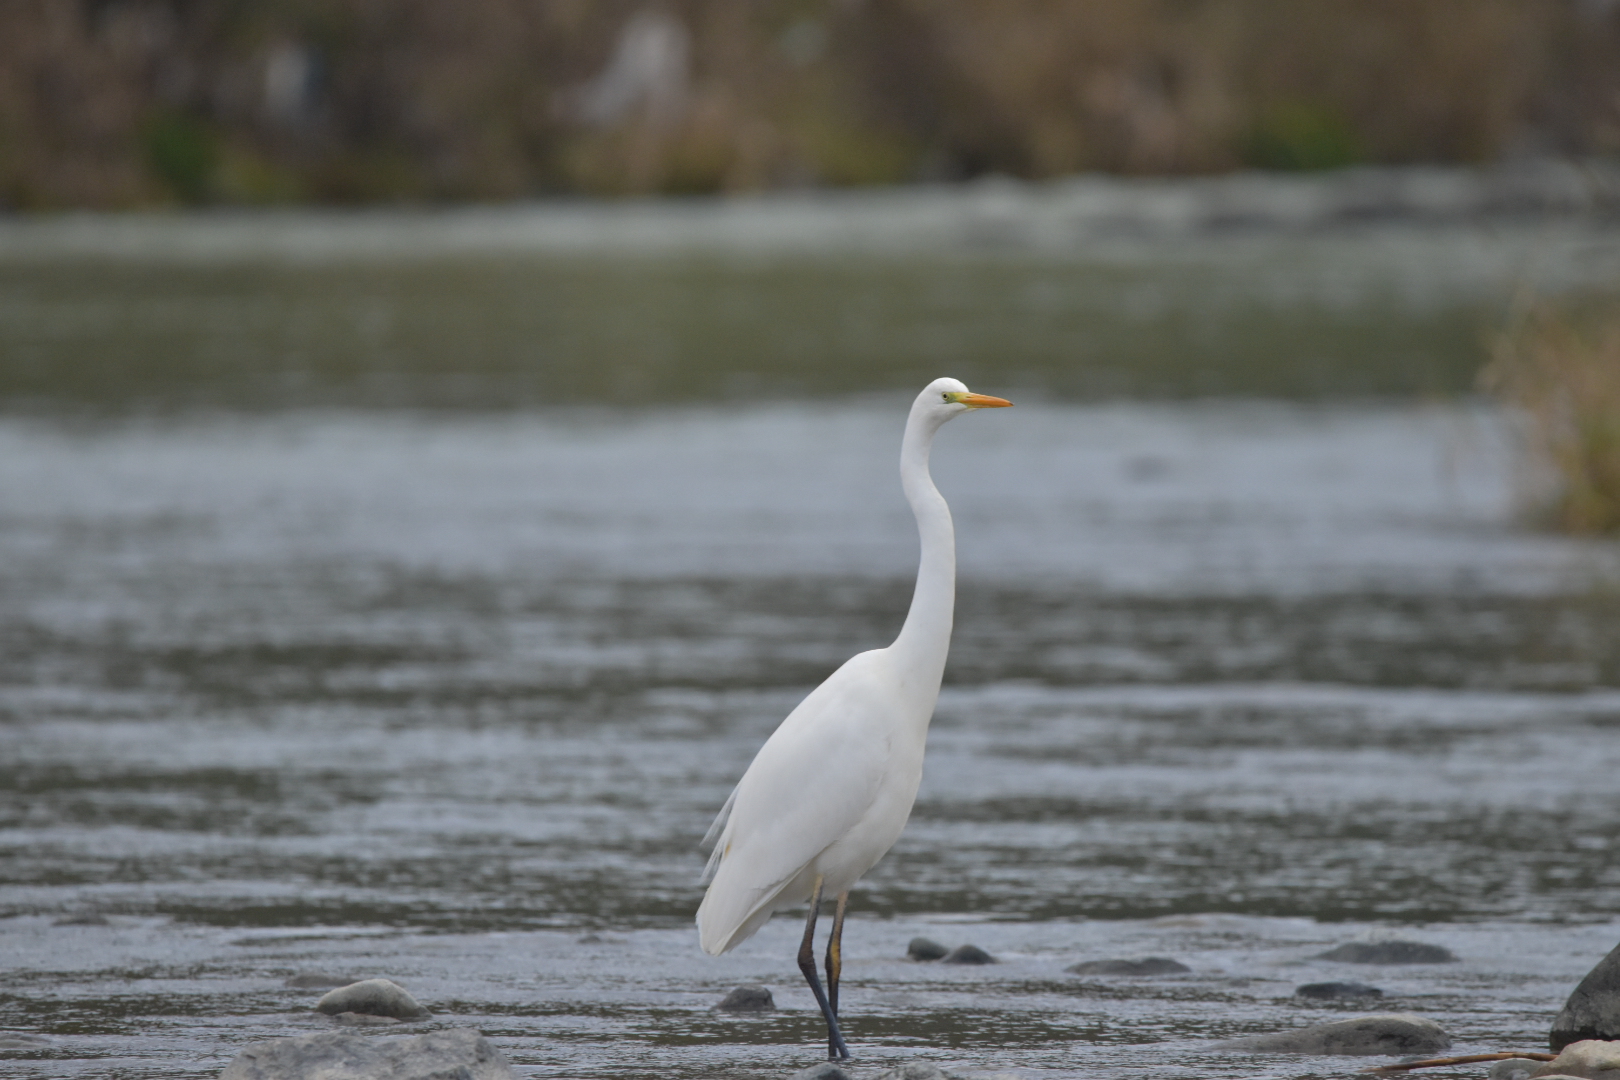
(926,636)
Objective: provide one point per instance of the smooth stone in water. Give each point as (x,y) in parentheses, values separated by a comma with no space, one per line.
(968,954)
(1394,1034)
(1512,1069)
(14,1041)
(1337,991)
(1148,965)
(318,980)
(1389,952)
(921,948)
(915,1070)
(748,999)
(1593,1010)
(1593,1059)
(462,1053)
(373,997)
(827,1070)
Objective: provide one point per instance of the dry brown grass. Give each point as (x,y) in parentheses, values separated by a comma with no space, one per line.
(1561,368)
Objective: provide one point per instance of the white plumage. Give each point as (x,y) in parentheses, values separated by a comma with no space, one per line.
(830,791)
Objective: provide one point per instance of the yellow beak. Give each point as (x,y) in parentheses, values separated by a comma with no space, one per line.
(980,401)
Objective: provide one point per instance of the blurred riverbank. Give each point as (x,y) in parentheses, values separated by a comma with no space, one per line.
(1368,283)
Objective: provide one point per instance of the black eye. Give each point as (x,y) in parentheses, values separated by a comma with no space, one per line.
(945,397)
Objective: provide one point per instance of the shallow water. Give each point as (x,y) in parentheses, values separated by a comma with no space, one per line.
(436,696)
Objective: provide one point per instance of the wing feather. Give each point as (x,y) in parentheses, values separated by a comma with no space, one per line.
(810,784)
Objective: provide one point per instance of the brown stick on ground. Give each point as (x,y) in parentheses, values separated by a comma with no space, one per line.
(1465,1059)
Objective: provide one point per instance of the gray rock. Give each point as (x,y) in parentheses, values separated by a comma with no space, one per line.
(748,999)
(458,1054)
(1512,1069)
(915,1070)
(921,948)
(827,1070)
(1389,952)
(968,954)
(374,997)
(1593,1059)
(319,980)
(1148,965)
(1383,1033)
(1593,1010)
(1337,991)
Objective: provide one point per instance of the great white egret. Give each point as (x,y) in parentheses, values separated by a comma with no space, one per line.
(831,789)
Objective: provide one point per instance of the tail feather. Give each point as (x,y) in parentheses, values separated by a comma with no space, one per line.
(725,919)
(713,837)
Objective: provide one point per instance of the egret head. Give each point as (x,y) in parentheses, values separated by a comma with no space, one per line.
(945,398)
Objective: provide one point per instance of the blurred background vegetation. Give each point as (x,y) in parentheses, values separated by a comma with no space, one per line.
(119,103)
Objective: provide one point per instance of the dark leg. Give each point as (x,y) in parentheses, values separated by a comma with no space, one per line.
(807,964)
(835,958)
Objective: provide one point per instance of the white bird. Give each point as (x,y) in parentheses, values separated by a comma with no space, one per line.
(831,789)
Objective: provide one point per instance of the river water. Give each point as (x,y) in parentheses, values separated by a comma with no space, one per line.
(306,670)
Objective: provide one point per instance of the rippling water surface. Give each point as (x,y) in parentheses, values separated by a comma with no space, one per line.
(438,697)
(301,679)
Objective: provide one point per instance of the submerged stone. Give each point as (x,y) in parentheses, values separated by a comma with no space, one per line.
(827,1070)
(1337,991)
(1389,952)
(1512,1069)
(921,948)
(1147,965)
(1393,1034)
(373,997)
(1593,1009)
(318,980)
(747,999)
(463,1053)
(968,954)
(915,1070)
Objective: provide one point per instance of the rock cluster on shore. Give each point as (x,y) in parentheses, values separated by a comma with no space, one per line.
(465,1053)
